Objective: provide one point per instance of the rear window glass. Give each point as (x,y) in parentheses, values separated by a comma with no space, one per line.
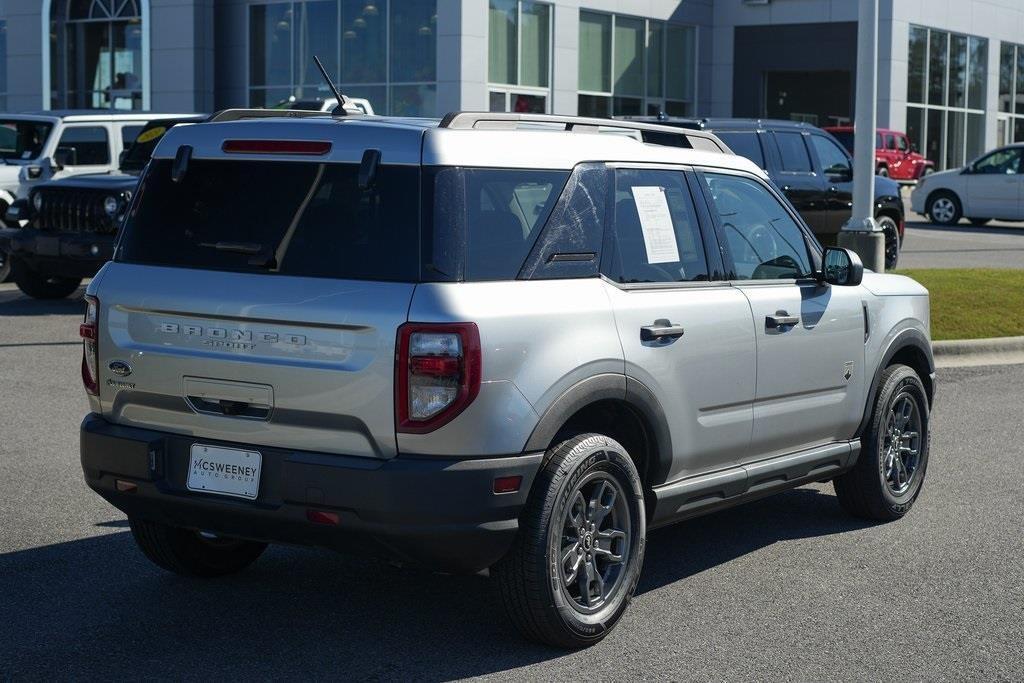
(793,152)
(745,144)
(277,217)
(485,221)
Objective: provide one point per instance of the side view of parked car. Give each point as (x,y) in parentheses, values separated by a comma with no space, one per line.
(565,339)
(70,223)
(812,169)
(50,145)
(991,186)
(895,156)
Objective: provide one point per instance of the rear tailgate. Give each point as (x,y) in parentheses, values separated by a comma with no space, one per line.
(297,363)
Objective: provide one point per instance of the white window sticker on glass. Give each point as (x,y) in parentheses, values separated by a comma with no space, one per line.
(656,224)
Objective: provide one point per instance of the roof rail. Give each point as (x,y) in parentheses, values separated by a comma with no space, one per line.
(239,114)
(650,133)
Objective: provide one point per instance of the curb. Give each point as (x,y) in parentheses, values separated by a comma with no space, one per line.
(969,347)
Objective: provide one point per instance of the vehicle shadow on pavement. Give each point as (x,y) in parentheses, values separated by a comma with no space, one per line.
(96,608)
(967,228)
(14,303)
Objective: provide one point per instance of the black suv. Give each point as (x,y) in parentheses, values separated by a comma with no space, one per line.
(813,170)
(70,224)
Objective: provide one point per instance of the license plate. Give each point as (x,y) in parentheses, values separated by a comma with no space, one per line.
(47,246)
(224,471)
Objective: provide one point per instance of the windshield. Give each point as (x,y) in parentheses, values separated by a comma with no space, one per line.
(23,140)
(142,149)
(845,139)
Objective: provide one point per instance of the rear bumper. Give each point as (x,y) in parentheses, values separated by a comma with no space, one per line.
(59,254)
(438,513)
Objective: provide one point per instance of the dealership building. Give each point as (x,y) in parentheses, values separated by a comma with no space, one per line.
(951,72)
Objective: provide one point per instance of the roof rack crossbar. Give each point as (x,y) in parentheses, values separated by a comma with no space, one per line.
(239,114)
(650,132)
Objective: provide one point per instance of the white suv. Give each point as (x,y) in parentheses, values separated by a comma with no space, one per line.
(495,341)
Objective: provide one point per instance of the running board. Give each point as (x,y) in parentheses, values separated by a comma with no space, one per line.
(709,492)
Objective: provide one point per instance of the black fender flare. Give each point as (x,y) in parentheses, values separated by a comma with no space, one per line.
(897,341)
(604,387)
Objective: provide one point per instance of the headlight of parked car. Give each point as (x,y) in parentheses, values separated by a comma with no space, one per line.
(110,206)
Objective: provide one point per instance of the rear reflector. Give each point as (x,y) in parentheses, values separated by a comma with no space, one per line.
(125,486)
(508,484)
(323,517)
(307,147)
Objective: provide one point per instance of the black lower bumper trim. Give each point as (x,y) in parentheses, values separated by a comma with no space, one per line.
(60,254)
(437,513)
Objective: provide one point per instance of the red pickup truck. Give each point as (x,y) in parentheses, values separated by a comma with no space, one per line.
(895,157)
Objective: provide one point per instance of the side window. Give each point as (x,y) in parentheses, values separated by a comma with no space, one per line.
(833,159)
(793,152)
(655,236)
(745,144)
(1001,161)
(570,244)
(765,242)
(128,135)
(85,146)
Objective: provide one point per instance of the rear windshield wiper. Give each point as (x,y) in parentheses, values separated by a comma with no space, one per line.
(236,247)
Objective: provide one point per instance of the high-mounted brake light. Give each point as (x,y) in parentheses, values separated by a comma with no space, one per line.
(89,332)
(305,147)
(437,374)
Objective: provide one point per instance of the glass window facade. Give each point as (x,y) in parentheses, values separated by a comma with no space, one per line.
(3,69)
(519,55)
(382,50)
(946,95)
(96,54)
(1011,88)
(635,66)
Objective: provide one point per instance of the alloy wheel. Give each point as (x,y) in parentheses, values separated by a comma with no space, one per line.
(943,210)
(595,542)
(901,444)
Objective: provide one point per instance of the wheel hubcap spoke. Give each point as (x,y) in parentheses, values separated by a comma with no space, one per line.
(900,446)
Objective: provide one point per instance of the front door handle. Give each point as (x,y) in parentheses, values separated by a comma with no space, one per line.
(780,319)
(661,329)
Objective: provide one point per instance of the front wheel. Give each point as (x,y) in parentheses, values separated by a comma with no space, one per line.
(577,557)
(883,171)
(5,266)
(39,286)
(192,553)
(890,469)
(944,208)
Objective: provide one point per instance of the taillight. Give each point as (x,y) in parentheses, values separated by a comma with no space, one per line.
(89,331)
(437,374)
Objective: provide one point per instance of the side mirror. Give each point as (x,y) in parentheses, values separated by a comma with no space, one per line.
(839,173)
(16,212)
(842,267)
(913,148)
(121,157)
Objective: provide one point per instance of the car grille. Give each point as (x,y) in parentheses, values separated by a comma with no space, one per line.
(75,211)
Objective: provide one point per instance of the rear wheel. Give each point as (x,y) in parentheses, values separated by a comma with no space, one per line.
(39,286)
(979,221)
(5,266)
(890,469)
(191,553)
(577,557)
(883,171)
(944,208)
(892,241)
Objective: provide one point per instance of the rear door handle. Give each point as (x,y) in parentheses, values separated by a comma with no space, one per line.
(780,319)
(661,329)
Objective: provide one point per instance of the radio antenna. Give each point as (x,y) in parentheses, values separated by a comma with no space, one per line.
(340,109)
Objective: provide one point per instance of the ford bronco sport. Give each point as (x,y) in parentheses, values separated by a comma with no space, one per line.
(499,341)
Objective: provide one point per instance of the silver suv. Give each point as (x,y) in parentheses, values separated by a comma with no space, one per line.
(497,341)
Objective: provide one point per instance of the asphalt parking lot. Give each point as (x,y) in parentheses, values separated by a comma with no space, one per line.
(785,588)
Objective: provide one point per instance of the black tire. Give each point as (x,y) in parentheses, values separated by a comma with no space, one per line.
(531,579)
(979,221)
(5,266)
(185,552)
(866,490)
(883,171)
(944,217)
(892,241)
(39,286)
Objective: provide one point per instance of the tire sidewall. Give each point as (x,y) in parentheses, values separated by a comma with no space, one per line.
(595,453)
(903,381)
(957,209)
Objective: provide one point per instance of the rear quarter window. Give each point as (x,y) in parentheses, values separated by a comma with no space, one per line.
(279,218)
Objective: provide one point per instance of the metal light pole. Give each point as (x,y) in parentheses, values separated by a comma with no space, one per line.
(861,233)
